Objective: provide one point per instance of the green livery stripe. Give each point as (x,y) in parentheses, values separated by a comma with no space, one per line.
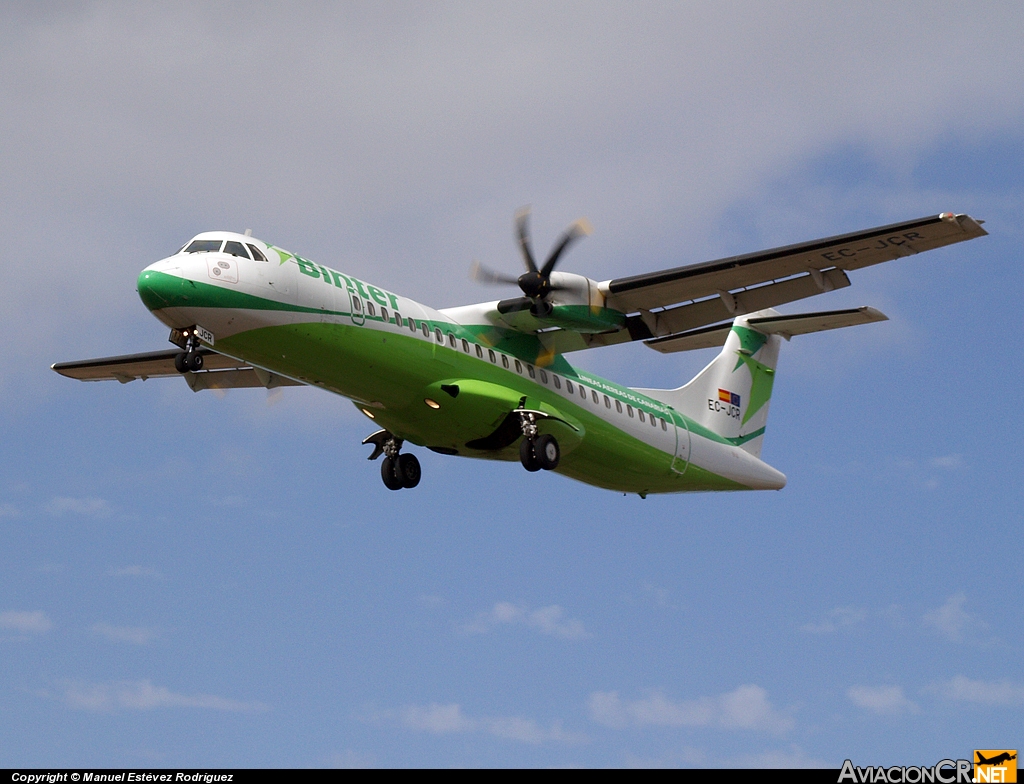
(741,440)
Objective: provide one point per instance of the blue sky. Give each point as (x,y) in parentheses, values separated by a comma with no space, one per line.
(193,579)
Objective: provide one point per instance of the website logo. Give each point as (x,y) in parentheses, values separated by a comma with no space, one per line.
(995,765)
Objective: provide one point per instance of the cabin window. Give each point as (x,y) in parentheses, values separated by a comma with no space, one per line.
(398,320)
(384,315)
(357,304)
(438,335)
(412,325)
(479,352)
(654,421)
(426,329)
(583,392)
(204,246)
(593,394)
(371,309)
(451,340)
(543,377)
(530,370)
(607,402)
(664,426)
(629,410)
(558,383)
(490,356)
(504,361)
(519,367)
(255,252)
(236,249)
(568,386)
(640,414)
(618,406)
(465,345)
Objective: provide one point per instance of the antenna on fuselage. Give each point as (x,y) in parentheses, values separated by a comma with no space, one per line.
(248,232)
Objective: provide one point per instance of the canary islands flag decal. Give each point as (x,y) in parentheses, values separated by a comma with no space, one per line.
(725,396)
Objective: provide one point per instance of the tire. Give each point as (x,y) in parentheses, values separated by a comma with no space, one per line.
(408,471)
(547,452)
(390,475)
(528,455)
(195,361)
(181,362)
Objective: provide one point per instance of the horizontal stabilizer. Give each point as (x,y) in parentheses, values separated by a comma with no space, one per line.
(786,326)
(219,371)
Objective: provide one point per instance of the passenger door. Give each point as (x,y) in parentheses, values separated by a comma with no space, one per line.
(681,459)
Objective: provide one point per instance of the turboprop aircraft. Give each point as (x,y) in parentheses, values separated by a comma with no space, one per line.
(492,380)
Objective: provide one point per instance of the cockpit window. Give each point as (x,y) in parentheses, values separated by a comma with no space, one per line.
(255,252)
(235,249)
(204,246)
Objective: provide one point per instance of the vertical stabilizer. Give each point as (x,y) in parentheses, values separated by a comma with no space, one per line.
(731,395)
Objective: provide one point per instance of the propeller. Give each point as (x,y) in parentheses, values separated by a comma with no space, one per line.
(535,283)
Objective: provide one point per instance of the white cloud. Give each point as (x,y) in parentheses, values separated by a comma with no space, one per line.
(135,571)
(881,699)
(846,618)
(27,622)
(137,635)
(438,719)
(95,507)
(746,707)
(839,618)
(407,113)
(951,462)
(143,695)
(962,689)
(549,620)
(952,621)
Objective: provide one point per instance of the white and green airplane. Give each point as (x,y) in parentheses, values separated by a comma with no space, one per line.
(492,380)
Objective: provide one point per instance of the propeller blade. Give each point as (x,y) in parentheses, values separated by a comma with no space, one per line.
(580,228)
(523,233)
(482,274)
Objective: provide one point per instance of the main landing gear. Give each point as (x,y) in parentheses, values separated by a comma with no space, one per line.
(397,470)
(537,452)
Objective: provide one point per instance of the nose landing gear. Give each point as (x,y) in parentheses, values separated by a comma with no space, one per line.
(190,359)
(396,470)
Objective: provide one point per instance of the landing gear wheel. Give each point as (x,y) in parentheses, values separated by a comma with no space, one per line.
(181,362)
(528,455)
(547,452)
(390,476)
(194,360)
(408,470)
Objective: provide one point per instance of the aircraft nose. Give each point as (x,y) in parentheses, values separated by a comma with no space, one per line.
(160,286)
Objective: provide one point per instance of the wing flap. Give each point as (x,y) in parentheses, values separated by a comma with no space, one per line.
(842,252)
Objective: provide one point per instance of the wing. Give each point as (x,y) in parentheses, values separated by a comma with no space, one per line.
(673,301)
(219,371)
